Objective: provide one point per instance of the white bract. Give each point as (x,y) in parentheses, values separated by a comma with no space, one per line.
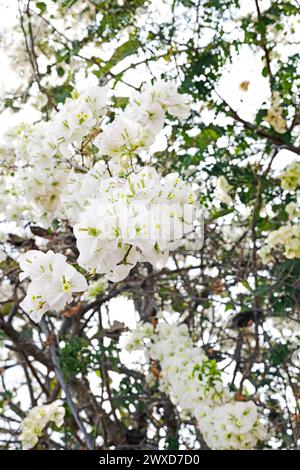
(37,419)
(166,96)
(41,190)
(138,218)
(275,115)
(232,426)
(88,173)
(290,177)
(288,237)
(293,210)
(124,138)
(78,116)
(194,384)
(222,190)
(53,281)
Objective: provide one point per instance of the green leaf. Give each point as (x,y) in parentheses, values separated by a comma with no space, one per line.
(42,7)
(130,47)
(60,71)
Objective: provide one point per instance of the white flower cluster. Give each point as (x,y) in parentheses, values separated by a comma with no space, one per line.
(265,253)
(40,191)
(293,209)
(76,118)
(55,142)
(44,153)
(231,426)
(122,212)
(194,384)
(135,129)
(138,218)
(79,115)
(289,237)
(10,206)
(274,115)
(222,190)
(53,281)
(138,336)
(97,287)
(290,177)
(37,419)
(81,188)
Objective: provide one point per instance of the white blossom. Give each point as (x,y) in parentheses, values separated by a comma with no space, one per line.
(195,386)
(53,281)
(138,218)
(290,177)
(222,190)
(287,236)
(37,419)
(274,115)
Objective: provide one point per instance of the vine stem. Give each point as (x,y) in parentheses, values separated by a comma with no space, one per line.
(60,378)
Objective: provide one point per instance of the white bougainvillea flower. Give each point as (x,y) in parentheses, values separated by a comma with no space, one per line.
(124,137)
(37,419)
(195,385)
(287,236)
(240,416)
(275,115)
(53,282)
(166,95)
(138,218)
(36,264)
(41,190)
(222,190)
(96,99)
(293,210)
(290,177)
(34,303)
(149,114)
